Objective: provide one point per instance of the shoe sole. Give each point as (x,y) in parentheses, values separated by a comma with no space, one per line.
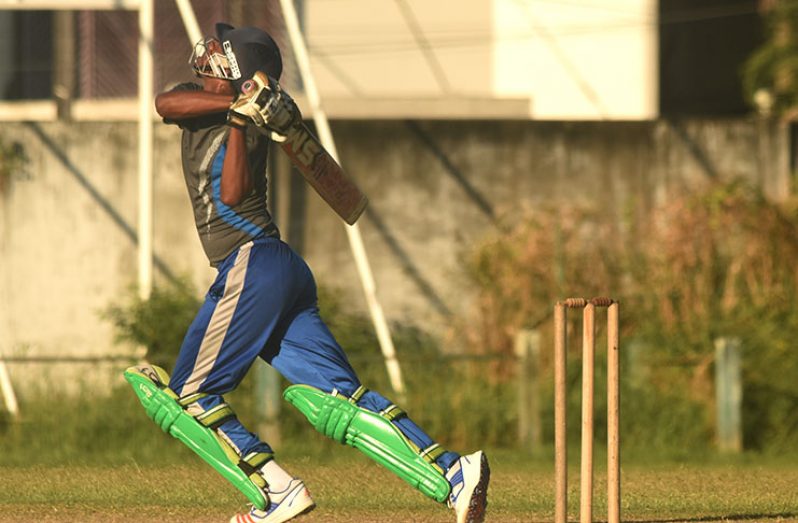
(479,496)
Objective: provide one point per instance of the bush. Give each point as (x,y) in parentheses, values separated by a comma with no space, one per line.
(158,323)
(91,429)
(772,67)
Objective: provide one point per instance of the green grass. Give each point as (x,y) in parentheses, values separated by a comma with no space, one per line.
(347,487)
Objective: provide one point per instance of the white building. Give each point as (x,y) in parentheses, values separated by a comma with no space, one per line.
(566,59)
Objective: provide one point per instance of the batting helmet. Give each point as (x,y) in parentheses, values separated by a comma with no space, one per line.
(249,49)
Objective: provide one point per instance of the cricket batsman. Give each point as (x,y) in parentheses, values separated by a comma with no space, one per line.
(263,304)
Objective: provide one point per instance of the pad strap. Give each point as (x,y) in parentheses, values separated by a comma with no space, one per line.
(354,398)
(431,453)
(251,464)
(391,412)
(215,417)
(359,392)
(185,401)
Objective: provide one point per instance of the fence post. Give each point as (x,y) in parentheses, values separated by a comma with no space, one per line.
(728,394)
(635,362)
(527,350)
(267,402)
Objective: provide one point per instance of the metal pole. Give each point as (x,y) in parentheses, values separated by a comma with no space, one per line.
(560,419)
(64,62)
(189,20)
(588,358)
(352,231)
(613,415)
(145,73)
(7,389)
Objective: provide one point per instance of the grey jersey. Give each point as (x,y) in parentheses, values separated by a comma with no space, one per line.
(223,229)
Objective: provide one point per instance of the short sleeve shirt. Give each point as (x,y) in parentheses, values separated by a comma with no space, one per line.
(223,229)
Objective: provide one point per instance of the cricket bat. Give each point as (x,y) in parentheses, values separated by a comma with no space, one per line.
(315,163)
(323,173)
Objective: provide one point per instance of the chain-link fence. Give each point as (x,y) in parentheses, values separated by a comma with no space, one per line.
(104,44)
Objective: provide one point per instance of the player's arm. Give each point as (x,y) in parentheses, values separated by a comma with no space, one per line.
(236,176)
(179,105)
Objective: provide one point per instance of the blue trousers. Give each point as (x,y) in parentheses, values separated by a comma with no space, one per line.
(263,303)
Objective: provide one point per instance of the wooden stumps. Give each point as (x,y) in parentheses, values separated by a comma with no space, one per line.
(588,307)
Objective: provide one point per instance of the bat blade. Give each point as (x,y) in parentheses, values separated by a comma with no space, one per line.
(324,174)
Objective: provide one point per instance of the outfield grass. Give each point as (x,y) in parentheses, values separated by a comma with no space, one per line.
(349,488)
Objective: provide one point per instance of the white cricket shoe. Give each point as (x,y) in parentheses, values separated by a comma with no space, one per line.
(469,478)
(283,506)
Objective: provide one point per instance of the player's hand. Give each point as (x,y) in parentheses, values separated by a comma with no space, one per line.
(276,111)
(243,110)
(279,112)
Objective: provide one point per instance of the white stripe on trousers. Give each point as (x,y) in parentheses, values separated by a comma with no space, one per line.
(220,321)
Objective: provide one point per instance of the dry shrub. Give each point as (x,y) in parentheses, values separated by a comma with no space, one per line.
(549,254)
(724,263)
(697,264)
(711,259)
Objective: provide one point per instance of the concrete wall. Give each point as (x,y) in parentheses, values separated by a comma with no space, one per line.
(68,241)
(67,244)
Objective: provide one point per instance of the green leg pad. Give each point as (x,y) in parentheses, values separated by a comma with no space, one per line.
(370,433)
(162,407)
